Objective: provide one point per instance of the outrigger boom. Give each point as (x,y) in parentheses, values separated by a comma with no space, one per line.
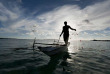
(42,43)
(46,44)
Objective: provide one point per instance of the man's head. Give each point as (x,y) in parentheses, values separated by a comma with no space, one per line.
(65,23)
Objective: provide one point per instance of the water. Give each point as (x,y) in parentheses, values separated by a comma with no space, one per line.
(83,57)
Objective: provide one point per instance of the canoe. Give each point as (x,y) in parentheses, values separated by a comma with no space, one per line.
(54,50)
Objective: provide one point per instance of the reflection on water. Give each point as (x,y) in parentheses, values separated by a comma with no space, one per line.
(85,57)
(55,61)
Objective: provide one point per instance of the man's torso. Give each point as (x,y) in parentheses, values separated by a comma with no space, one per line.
(66,29)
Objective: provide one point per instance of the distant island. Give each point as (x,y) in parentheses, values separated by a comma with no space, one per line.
(8,38)
(99,40)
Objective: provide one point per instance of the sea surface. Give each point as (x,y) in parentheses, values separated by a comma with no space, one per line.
(83,57)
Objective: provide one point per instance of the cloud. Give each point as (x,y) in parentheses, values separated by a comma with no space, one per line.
(7,13)
(98,14)
(77,0)
(86,21)
(55,19)
(93,17)
(20,1)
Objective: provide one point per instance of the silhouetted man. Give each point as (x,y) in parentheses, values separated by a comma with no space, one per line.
(65,32)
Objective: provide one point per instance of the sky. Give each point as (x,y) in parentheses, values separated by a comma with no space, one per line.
(44,19)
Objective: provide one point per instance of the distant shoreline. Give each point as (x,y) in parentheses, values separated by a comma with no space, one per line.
(56,39)
(29,39)
(100,40)
(8,38)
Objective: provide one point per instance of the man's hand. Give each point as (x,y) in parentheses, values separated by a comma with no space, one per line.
(60,35)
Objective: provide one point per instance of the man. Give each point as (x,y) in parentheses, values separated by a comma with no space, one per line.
(65,32)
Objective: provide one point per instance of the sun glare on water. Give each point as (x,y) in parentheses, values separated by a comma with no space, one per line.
(74,46)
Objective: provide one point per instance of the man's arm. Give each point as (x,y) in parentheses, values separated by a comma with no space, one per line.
(72,29)
(61,32)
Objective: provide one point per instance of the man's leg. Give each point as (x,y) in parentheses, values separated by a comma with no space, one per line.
(66,42)
(66,36)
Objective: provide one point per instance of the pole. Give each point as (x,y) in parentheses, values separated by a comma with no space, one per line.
(34,43)
(58,39)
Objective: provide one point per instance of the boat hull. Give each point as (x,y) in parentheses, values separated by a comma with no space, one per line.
(56,50)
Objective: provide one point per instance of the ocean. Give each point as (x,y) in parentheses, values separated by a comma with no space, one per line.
(83,57)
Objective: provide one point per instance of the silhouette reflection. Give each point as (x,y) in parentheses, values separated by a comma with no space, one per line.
(59,59)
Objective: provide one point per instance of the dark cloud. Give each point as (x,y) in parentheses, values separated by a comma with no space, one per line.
(86,21)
